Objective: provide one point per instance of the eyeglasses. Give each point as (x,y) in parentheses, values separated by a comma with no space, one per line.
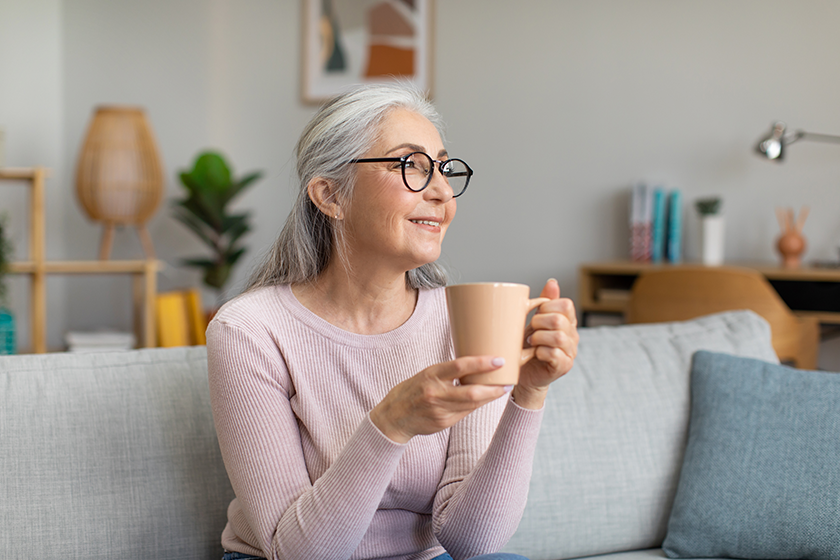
(418,167)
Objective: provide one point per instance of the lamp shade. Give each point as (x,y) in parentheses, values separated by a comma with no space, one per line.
(119,177)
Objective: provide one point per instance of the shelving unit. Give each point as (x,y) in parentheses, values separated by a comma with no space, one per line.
(604,287)
(143,272)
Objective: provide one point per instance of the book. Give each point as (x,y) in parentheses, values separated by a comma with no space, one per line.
(98,341)
(180,318)
(675,225)
(641,211)
(658,233)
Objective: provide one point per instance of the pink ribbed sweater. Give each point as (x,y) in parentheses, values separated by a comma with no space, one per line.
(315,479)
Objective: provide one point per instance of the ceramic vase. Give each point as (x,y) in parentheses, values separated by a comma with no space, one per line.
(712,236)
(791,243)
(7,332)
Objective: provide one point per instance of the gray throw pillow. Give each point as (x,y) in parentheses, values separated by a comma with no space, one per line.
(761,473)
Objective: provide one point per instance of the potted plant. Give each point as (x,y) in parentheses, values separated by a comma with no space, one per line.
(210,187)
(7,320)
(711,230)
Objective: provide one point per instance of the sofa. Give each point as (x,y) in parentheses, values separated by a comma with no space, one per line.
(114,455)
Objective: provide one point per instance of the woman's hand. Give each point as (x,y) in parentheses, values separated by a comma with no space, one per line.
(430,401)
(553,331)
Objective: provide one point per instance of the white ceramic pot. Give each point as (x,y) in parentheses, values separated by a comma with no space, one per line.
(712,233)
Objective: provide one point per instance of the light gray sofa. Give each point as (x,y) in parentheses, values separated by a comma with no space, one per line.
(115,455)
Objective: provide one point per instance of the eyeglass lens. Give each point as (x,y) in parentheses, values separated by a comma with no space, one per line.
(418,168)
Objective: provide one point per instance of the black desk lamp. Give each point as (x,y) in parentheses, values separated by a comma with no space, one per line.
(772,146)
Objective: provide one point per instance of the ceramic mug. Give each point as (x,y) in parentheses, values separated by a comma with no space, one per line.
(488,319)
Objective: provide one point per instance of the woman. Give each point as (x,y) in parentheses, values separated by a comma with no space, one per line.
(343,428)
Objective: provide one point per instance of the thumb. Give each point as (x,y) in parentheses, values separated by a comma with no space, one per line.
(551,289)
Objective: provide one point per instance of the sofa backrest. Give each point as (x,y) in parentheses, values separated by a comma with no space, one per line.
(614,433)
(110,456)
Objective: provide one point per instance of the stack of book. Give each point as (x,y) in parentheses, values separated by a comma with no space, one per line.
(98,341)
(655,224)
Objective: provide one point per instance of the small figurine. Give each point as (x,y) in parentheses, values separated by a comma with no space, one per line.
(791,243)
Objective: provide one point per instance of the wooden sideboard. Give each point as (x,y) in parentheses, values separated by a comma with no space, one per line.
(37,267)
(604,287)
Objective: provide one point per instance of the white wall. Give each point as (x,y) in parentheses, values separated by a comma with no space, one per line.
(558,105)
(31,114)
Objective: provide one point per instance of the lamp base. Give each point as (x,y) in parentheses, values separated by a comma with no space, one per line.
(107,241)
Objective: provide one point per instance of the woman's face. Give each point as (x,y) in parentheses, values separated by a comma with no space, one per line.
(388,224)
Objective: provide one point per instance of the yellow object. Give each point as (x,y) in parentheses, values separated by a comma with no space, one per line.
(180,318)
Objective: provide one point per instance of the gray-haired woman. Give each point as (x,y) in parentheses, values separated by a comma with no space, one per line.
(333,383)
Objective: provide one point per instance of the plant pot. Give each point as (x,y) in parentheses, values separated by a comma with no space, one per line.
(7,332)
(712,239)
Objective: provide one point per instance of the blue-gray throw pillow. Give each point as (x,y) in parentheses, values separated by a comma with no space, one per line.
(761,472)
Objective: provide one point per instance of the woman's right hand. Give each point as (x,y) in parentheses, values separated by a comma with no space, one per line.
(431,401)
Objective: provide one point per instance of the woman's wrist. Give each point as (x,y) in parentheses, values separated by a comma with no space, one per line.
(388,429)
(530,398)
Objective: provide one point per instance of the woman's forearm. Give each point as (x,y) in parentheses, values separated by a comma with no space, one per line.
(484,511)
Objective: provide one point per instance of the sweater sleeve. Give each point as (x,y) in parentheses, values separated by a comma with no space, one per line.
(283,513)
(482,495)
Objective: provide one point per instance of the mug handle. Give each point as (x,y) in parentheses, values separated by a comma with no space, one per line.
(528,353)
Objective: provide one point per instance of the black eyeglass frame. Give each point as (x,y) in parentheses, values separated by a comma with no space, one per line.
(404,159)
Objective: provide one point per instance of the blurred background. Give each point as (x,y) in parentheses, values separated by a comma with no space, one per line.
(560,106)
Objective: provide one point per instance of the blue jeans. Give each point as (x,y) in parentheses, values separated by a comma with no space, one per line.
(496,556)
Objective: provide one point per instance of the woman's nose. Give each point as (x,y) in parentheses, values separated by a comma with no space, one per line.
(438,187)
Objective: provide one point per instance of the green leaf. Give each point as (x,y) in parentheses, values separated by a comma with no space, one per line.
(240,185)
(211,172)
(194,206)
(189,183)
(231,258)
(217,276)
(235,225)
(196,225)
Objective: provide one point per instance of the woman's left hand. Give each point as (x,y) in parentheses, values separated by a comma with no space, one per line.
(553,332)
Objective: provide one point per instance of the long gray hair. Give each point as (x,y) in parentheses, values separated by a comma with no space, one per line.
(345,128)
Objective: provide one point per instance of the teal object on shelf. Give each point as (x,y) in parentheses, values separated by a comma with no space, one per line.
(7,332)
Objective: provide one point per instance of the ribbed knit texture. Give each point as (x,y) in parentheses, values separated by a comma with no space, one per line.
(315,479)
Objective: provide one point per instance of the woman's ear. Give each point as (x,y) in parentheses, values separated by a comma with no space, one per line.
(322,194)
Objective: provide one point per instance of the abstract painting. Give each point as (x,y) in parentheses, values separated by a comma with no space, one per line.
(349,42)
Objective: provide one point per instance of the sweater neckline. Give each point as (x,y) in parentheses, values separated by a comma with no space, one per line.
(398,336)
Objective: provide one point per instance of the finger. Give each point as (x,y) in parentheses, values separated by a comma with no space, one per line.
(554,358)
(562,306)
(551,290)
(477,395)
(552,322)
(467,365)
(560,340)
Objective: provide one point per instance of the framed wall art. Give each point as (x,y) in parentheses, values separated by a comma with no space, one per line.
(349,42)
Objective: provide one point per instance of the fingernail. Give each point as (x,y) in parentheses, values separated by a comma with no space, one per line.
(498,362)
(528,340)
(508,388)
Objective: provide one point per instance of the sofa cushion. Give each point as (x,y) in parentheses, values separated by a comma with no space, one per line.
(110,456)
(761,474)
(614,432)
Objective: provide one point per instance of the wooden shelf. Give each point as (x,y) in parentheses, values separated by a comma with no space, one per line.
(143,272)
(86,267)
(614,276)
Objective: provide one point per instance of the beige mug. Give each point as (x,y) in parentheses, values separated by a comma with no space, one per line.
(488,319)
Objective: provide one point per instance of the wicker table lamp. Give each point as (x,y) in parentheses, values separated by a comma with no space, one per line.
(119,177)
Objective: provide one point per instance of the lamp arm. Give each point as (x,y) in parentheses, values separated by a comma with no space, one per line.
(802,135)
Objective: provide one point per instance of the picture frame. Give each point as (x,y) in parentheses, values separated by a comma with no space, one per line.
(351,42)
